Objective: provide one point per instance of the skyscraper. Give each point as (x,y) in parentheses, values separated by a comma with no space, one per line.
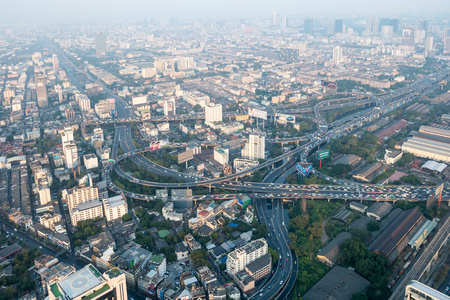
(55,63)
(429,46)
(41,90)
(338,26)
(337,55)
(387,33)
(309,26)
(284,21)
(100,44)
(169,107)
(255,147)
(213,113)
(274,18)
(446,40)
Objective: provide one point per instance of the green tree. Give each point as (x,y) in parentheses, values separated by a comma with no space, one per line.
(373,226)
(126,217)
(359,296)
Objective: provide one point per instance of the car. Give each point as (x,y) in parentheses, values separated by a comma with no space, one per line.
(281,282)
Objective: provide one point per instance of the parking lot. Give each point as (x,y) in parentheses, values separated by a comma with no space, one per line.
(177,268)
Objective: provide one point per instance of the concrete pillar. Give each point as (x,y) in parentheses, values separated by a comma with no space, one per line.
(328,199)
(210,188)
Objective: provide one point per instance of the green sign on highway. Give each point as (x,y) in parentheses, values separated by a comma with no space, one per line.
(321,154)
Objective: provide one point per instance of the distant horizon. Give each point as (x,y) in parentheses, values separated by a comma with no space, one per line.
(52,11)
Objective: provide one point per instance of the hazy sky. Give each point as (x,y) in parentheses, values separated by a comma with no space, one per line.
(122,10)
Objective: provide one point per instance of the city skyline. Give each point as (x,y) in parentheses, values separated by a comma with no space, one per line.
(100,11)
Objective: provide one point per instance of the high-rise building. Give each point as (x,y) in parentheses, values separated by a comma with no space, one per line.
(429,46)
(100,44)
(44,195)
(284,21)
(255,147)
(78,195)
(83,102)
(55,63)
(422,25)
(169,107)
(274,18)
(308,26)
(337,55)
(213,113)
(41,90)
(446,40)
(148,72)
(221,155)
(67,135)
(70,155)
(89,283)
(115,207)
(417,290)
(338,26)
(238,259)
(387,33)
(368,27)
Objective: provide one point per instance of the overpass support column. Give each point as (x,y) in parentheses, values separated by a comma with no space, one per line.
(328,199)
(282,144)
(296,144)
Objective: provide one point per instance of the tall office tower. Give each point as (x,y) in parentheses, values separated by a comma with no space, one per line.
(169,107)
(284,21)
(419,36)
(375,25)
(422,25)
(213,113)
(274,18)
(100,44)
(309,26)
(338,26)
(78,195)
(41,90)
(395,23)
(429,46)
(55,61)
(446,40)
(418,290)
(337,55)
(368,27)
(387,33)
(89,283)
(240,258)
(255,147)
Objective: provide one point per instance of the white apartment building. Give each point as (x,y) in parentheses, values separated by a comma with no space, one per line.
(196,98)
(90,161)
(44,195)
(213,113)
(86,211)
(255,147)
(49,221)
(239,258)
(337,55)
(79,195)
(67,135)
(115,207)
(221,155)
(148,72)
(83,102)
(169,107)
(70,155)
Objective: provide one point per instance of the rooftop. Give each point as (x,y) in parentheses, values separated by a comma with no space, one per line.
(339,283)
(81,282)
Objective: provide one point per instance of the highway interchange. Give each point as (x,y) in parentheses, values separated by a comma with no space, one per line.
(280,283)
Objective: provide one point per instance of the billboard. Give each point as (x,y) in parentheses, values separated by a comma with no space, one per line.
(282,118)
(304,169)
(321,154)
(329,84)
(257,113)
(139,100)
(185,156)
(158,145)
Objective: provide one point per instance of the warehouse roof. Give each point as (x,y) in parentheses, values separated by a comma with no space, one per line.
(331,250)
(339,283)
(396,231)
(434,166)
(379,209)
